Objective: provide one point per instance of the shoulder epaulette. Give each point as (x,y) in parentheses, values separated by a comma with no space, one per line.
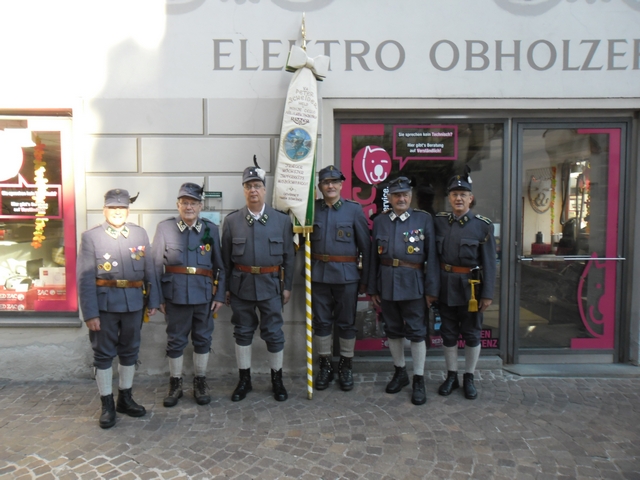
(421,211)
(280,211)
(484,219)
(351,201)
(231,213)
(442,214)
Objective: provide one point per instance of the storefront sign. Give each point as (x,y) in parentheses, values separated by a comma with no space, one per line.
(22,200)
(424,142)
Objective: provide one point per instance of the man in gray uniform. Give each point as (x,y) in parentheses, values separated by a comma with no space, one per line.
(188,262)
(258,252)
(467,254)
(114,271)
(340,244)
(404,272)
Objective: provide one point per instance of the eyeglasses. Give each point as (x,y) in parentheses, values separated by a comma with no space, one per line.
(253,186)
(326,183)
(459,195)
(189,204)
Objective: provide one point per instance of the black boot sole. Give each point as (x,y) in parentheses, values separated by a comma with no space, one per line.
(107,425)
(398,389)
(240,396)
(171,402)
(131,414)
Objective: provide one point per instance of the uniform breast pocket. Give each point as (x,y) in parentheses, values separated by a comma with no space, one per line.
(237,248)
(344,232)
(276,246)
(138,264)
(382,244)
(174,253)
(316,235)
(469,248)
(439,244)
(105,267)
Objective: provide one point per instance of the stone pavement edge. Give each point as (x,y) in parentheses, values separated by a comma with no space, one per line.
(518,428)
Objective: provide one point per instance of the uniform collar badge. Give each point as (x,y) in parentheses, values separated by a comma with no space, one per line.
(112,232)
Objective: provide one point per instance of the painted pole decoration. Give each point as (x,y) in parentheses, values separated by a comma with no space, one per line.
(293,190)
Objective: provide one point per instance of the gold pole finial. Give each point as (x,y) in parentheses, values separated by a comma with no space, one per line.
(304,34)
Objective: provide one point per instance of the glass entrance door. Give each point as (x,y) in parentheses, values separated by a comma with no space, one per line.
(567,263)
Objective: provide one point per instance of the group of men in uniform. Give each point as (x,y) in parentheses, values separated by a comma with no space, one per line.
(409,261)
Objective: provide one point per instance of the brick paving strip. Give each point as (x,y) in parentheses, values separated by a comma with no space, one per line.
(519,427)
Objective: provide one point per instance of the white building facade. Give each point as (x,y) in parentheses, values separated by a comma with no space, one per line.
(539,97)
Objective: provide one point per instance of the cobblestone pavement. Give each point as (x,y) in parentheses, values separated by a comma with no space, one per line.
(519,427)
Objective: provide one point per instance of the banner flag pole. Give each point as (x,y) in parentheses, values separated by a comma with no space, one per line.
(293,189)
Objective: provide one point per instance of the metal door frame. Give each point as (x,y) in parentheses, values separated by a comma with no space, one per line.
(514,172)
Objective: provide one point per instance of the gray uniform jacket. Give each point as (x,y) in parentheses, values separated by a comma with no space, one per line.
(467,242)
(110,255)
(260,243)
(174,244)
(409,240)
(341,230)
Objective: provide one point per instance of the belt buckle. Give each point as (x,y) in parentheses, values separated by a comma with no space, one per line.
(395,262)
(325,258)
(122,283)
(448,268)
(255,270)
(191,270)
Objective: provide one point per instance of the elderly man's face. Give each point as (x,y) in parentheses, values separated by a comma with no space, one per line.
(116,216)
(400,201)
(460,201)
(254,193)
(189,209)
(331,188)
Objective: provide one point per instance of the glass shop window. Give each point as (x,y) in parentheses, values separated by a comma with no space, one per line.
(429,152)
(37,217)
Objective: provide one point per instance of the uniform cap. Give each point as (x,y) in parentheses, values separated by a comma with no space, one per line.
(460,182)
(253,173)
(400,184)
(191,190)
(118,198)
(330,172)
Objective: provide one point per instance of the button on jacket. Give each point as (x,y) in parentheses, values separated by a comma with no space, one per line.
(108,254)
(265,242)
(408,238)
(466,242)
(340,230)
(175,244)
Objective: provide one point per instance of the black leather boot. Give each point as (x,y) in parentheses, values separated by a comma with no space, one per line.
(325,374)
(244,385)
(345,374)
(126,404)
(470,391)
(108,416)
(175,392)
(450,384)
(279,392)
(419,396)
(399,381)
(201,390)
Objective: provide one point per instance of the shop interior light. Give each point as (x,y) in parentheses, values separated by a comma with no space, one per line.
(11,156)
(576,169)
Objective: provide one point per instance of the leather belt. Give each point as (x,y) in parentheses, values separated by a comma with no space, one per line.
(399,263)
(257,270)
(454,269)
(333,258)
(189,271)
(100,282)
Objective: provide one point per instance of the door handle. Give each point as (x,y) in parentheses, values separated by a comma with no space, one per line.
(565,258)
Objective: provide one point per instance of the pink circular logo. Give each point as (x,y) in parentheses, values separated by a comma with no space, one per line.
(372,164)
